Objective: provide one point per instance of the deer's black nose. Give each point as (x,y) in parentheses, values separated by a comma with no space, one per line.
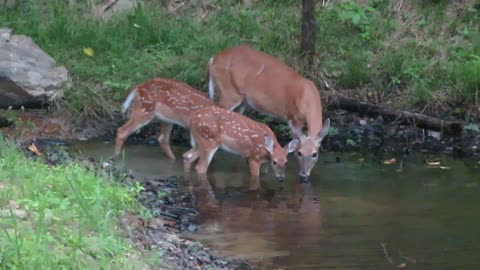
(303,178)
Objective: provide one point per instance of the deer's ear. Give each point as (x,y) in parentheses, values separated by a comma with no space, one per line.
(268,144)
(297,131)
(292,146)
(323,132)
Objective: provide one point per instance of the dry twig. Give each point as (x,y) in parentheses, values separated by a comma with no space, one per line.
(408,259)
(386,252)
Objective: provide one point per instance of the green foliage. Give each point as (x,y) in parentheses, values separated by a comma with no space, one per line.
(466,75)
(60,217)
(393,64)
(473,127)
(10,115)
(419,50)
(355,72)
(146,44)
(332,131)
(351,142)
(360,16)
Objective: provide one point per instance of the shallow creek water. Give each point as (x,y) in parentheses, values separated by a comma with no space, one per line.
(354,214)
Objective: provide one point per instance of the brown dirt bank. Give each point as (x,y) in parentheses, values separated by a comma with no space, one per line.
(349,132)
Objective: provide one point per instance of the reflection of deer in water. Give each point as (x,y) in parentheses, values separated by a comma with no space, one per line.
(293,212)
(296,205)
(203,198)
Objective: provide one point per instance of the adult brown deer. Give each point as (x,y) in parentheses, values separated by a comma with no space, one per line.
(243,76)
(214,127)
(168,100)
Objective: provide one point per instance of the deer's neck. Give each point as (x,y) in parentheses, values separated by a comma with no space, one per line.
(314,121)
(310,107)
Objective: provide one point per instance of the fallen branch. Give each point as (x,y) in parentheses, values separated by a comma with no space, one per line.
(189,211)
(404,117)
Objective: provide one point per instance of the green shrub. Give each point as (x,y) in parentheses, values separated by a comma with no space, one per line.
(356,71)
(467,78)
(393,64)
(357,43)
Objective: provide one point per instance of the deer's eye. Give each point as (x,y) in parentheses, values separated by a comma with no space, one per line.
(299,153)
(274,162)
(314,155)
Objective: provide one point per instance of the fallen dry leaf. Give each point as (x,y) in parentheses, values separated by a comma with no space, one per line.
(34,149)
(433,163)
(88,51)
(436,165)
(402,265)
(389,161)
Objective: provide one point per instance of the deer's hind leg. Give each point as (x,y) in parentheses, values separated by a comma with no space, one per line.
(228,94)
(207,151)
(137,120)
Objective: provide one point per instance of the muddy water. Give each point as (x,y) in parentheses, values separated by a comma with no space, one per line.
(355,214)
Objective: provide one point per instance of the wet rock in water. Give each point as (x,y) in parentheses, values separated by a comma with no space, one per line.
(192,228)
(151,141)
(28,76)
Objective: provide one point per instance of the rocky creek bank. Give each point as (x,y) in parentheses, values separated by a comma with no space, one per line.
(172,208)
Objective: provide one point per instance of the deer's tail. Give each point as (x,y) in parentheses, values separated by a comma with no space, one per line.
(211,86)
(129,100)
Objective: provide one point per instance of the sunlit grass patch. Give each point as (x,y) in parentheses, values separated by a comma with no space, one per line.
(60,217)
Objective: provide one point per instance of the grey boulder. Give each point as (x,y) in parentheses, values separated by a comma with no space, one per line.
(28,76)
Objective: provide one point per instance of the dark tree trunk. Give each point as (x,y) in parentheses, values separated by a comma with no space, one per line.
(309,30)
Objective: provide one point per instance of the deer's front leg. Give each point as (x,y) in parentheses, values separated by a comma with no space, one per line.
(207,151)
(254,183)
(254,167)
(254,174)
(164,139)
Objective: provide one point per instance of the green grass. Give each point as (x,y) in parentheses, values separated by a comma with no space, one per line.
(60,217)
(140,46)
(426,54)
